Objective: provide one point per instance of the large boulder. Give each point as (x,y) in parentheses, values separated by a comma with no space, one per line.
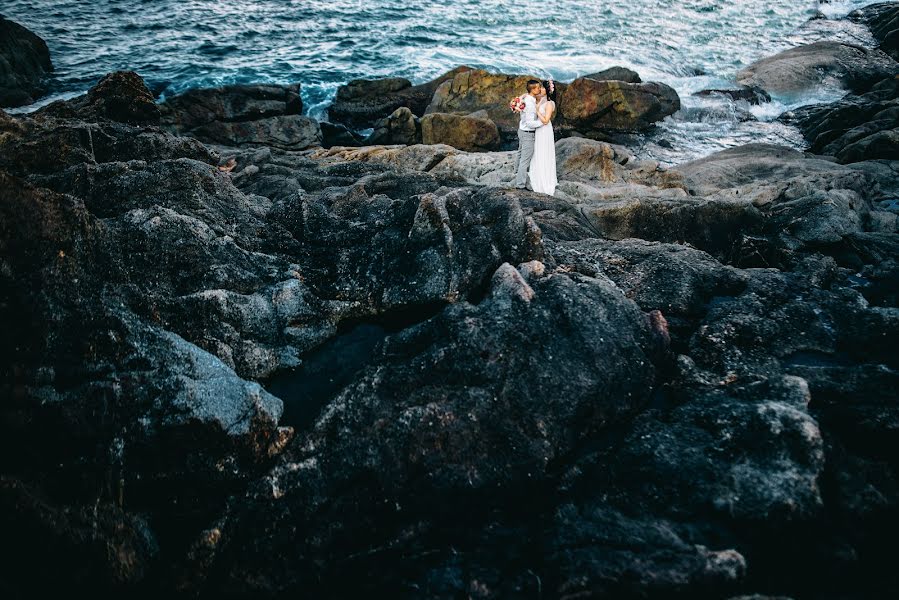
(798,70)
(24,62)
(477,89)
(882,19)
(362,103)
(239,115)
(459,131)
(616,106)
(616,74)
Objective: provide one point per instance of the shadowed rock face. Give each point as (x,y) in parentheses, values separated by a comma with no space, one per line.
(24,62)
(552,407)
(855,128)
(401,127)
(882,19)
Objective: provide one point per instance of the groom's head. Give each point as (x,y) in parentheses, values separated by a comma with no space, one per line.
(533,87)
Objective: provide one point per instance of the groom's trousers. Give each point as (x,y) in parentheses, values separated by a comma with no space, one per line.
(525,153)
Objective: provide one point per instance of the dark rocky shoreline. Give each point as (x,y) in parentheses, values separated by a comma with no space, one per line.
(661,383)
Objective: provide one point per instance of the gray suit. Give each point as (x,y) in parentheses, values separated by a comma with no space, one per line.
(527,125)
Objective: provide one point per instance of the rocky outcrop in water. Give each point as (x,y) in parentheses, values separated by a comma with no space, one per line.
(590,105)
(752,95)
(855,128)
(24,62)
(616,74)
(799,70)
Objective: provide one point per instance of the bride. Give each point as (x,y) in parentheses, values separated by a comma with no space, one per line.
(542,171)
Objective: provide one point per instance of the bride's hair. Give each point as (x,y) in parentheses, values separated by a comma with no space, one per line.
(551,89)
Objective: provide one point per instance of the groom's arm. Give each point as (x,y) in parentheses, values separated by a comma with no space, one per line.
(530,114)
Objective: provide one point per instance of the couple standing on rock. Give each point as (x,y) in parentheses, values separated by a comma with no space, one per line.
(536,158)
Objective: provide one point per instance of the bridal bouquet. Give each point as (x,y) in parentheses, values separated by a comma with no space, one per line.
(516,104)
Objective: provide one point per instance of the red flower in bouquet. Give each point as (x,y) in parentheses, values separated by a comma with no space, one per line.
(516,104)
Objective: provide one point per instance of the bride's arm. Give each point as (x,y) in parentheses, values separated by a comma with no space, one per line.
(550,108)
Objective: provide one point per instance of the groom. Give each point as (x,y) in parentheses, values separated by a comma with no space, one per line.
(526,128)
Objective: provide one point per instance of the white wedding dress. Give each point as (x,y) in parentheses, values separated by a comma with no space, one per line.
(542,171)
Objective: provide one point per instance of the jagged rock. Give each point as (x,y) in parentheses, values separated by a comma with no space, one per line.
(464,132)
(597,551)
(856,127)
(362,103)
(615,106)
(800,69)
(716,226)
(119,96)
(882,19)
(401,127)
(389,242)
(238,115)
(455,412)
(806,202)
(616,74)
(24,62)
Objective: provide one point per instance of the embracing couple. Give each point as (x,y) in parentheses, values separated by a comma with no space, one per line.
(536,158)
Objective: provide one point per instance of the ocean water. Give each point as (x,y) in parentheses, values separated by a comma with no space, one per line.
(691,45)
